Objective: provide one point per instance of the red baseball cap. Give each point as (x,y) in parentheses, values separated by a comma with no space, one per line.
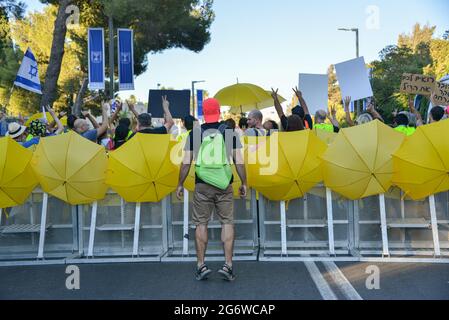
(211,110)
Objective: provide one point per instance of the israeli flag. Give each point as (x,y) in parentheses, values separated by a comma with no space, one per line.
(28,75)
(95,48)
(125,59)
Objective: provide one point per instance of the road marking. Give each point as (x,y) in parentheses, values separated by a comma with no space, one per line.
(341,281)
(321,284)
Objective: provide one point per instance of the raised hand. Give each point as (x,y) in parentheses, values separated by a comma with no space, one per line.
(165,102)
(297,92)
(347,103)
(274,94)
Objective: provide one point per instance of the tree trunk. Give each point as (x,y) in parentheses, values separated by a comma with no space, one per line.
(57,53)
(76,110)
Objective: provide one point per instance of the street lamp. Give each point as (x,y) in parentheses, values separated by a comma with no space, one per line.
(356,30)
(193,94)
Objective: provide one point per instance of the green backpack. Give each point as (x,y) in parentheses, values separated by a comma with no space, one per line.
(212,165)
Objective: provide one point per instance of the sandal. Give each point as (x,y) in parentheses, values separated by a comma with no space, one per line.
(202,272)
(227,273)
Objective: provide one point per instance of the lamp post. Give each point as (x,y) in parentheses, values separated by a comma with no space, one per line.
(193,94)
(356,30)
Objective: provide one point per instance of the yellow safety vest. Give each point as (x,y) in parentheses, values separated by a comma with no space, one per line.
(408,131)
(325,127)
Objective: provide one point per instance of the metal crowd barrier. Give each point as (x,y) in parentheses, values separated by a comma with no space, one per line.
(182,231)
(320,226)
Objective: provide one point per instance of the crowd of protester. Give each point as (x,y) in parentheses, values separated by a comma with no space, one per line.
(115,130)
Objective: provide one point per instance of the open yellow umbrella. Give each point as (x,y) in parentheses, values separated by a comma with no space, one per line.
(325,136)
(243,97)
(142,169)
(257,105)
(421,165)
(40,115)
(285,165)
(17,179)
(71,168)
(359,162)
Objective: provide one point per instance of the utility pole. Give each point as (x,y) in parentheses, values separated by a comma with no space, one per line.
(111,57)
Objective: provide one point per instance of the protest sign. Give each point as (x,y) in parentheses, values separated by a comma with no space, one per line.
(440,94)
(353,79)
(417,84)
(314,88)
(179,103)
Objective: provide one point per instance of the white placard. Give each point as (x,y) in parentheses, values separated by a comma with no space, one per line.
(314,88)
(353,79)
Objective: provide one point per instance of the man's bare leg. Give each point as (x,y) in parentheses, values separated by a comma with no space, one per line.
(227,237)
(201,243)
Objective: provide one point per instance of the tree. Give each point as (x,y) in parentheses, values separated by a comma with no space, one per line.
(57,52)
(413,54)
(35,31)
(9,57)
(157,25)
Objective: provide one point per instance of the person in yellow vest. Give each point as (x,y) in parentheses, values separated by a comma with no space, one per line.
(320,121)
(402,124)
(187,124)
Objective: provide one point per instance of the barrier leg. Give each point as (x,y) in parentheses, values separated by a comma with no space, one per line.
(93,223)
(185,238)
(383,224)
(402,216)
(433,218)
(330,221)
(122,220)
(262,218)
(40,253)
(80,214)
(283,229)
(1,215)
(164,226)
(136,230)
(306,218)
(253,209)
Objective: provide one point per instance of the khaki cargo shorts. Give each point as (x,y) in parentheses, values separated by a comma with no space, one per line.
(207,199)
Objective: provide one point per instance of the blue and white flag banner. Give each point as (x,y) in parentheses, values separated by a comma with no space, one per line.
(199,103)
(125,59)
(28,75)
(96,58)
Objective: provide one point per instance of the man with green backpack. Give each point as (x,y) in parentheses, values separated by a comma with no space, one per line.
(213,146)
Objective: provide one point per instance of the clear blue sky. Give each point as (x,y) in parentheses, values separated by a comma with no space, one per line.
(270,42)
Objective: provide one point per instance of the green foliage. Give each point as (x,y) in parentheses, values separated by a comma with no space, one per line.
(417,53)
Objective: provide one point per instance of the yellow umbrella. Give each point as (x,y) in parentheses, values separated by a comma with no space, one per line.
(17,179)
(40,115)
(359,162)
(243,94)
(71,168)
(421,165)
(258,105)
(142,170)
(285,165)
(325,136)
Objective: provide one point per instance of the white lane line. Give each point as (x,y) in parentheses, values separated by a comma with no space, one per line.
(341,281)
(321,284)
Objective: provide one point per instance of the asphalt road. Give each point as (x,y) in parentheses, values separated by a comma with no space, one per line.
(255,281)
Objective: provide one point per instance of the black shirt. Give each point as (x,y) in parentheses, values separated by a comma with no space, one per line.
(159,130)
(307,118)
(193,143)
